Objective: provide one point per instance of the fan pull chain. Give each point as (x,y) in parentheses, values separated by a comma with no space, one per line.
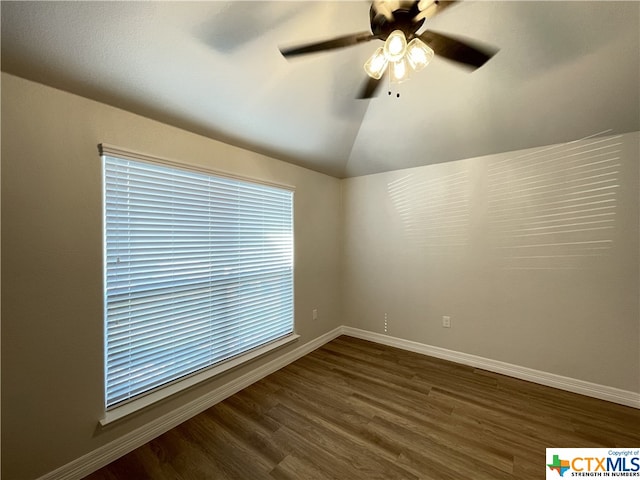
(389,83)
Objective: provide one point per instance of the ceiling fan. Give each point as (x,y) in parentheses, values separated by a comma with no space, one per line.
(397,24)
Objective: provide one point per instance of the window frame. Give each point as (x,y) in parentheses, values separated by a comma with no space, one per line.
(122,409)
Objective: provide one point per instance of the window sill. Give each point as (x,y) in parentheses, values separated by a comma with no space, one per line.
(134,406)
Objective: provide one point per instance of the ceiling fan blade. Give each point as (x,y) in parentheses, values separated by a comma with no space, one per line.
(384,8)
(369,88)
(458,50)
(430,8)
(338,42)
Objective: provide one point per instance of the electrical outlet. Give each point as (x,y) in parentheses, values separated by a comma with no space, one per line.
(446,321)
(314,313)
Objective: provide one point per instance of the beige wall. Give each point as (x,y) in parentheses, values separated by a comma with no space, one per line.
(533,254)
(52,393)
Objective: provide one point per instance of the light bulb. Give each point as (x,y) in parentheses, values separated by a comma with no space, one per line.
(418,54)
(399,71)
(395,46)
(376,64)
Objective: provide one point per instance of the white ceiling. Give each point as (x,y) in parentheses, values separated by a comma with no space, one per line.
(565,70)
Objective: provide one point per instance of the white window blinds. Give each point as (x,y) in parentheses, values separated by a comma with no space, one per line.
(198,269)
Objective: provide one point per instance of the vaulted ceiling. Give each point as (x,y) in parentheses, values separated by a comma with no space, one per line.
(565,70)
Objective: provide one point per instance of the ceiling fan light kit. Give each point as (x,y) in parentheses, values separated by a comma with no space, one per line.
(419,54)
(399,71)
(377,64)
(395,46)
(395,55)
(397,23)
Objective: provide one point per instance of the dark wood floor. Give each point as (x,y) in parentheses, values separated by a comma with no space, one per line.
(358,410)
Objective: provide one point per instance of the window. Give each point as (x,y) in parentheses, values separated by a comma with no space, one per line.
(198,270)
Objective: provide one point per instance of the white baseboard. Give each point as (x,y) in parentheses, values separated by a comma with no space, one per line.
(92,461)
(603,392)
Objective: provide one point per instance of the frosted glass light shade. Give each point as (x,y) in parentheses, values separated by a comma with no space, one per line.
(395,46)
(399,71)
(376,64)
(418,54)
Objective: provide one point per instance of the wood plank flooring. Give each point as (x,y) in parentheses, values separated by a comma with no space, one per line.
(358,410)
